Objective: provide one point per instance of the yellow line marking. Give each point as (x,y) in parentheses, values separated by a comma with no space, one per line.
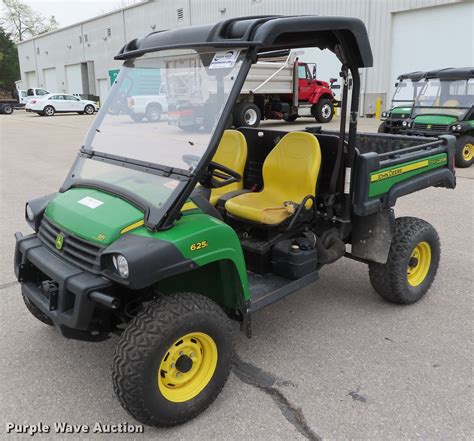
(398,171)
(132,226)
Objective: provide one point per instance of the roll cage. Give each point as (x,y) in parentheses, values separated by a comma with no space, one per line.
(346,37)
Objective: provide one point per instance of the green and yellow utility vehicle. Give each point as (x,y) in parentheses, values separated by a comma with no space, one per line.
(445,105)
(166,237)
(407,88)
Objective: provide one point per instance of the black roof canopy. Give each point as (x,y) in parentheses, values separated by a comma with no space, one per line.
(413,76)
(345,36)
(452,73)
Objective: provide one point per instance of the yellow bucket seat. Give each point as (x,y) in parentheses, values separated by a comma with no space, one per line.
(290,173)
(232,152)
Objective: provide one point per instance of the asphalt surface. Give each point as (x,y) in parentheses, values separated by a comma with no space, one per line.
(333,361)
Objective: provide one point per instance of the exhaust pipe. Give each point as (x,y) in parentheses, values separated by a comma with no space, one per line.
(105,299)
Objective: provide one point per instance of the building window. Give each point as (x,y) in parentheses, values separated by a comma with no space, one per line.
(80,39)
(109,32)
(180,14)
(85,38)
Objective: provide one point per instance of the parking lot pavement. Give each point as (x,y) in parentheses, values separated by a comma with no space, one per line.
(332,361)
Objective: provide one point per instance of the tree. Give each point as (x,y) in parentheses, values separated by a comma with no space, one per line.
(9,66)
(22,22)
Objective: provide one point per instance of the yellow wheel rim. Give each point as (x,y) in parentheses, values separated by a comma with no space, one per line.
(419,264)
(187,367)
(468,152)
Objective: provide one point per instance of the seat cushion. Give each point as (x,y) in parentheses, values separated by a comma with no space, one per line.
(232,153)
(290,173)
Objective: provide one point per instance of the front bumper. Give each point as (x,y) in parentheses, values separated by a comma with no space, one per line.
(58,288)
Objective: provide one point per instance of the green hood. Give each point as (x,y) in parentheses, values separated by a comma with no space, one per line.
(434,119)
(92,215)
(401,111)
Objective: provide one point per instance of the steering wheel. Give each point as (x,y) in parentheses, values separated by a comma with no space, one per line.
(218,175)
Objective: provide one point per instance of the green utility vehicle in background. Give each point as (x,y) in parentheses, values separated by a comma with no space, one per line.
(445,105)
(165,237)
(407,88)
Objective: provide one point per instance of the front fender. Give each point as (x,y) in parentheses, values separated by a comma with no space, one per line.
(196,240)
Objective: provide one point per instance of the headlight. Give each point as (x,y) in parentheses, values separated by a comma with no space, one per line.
(29,213)
(121,265)
(384,114)
(405,123)
(459,127)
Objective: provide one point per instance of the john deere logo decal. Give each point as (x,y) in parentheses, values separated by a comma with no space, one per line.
(428,126)
(59,241)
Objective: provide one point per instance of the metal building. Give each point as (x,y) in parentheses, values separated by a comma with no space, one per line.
(406,35)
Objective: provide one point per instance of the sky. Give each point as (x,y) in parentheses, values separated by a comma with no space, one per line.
(72,11)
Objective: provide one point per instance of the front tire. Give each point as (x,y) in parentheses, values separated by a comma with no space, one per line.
(464,151)
(247,115)
(383,128)
(89,109)
(36,312)
(323,110)
(412,262)
(173,359)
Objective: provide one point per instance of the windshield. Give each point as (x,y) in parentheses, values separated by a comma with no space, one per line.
(156,124)
(163,110)
(406,92)
(445,97)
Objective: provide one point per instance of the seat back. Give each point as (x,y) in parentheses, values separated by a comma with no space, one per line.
(232,152)
(290,171)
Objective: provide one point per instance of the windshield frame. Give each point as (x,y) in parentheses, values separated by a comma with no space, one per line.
(460,116)
(414,85)
(159,218)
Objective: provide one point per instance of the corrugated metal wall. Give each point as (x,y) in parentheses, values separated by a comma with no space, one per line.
(88,42)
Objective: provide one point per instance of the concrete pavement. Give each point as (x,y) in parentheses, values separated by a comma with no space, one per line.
(332,361)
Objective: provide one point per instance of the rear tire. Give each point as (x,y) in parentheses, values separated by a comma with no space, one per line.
(48,111)
(323,110)
(36,312)
(153,113)
(7,109)
(464,151)
(173,359)
(246,115)
(137,117)
(412,262)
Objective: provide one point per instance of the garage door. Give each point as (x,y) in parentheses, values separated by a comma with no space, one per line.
(50,79)
(103,89)
(74,78)
(432,38)
(30,79)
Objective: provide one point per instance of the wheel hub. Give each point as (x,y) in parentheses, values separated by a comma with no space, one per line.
(250,117)
(187,367)
(184,364)
(468,152)
(419,264)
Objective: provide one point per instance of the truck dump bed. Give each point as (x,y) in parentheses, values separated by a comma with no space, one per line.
(270,77)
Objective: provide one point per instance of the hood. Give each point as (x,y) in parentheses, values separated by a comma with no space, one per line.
(93,215)
(401,111)
(435,119)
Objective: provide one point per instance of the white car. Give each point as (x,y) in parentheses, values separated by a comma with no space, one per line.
(60,103)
